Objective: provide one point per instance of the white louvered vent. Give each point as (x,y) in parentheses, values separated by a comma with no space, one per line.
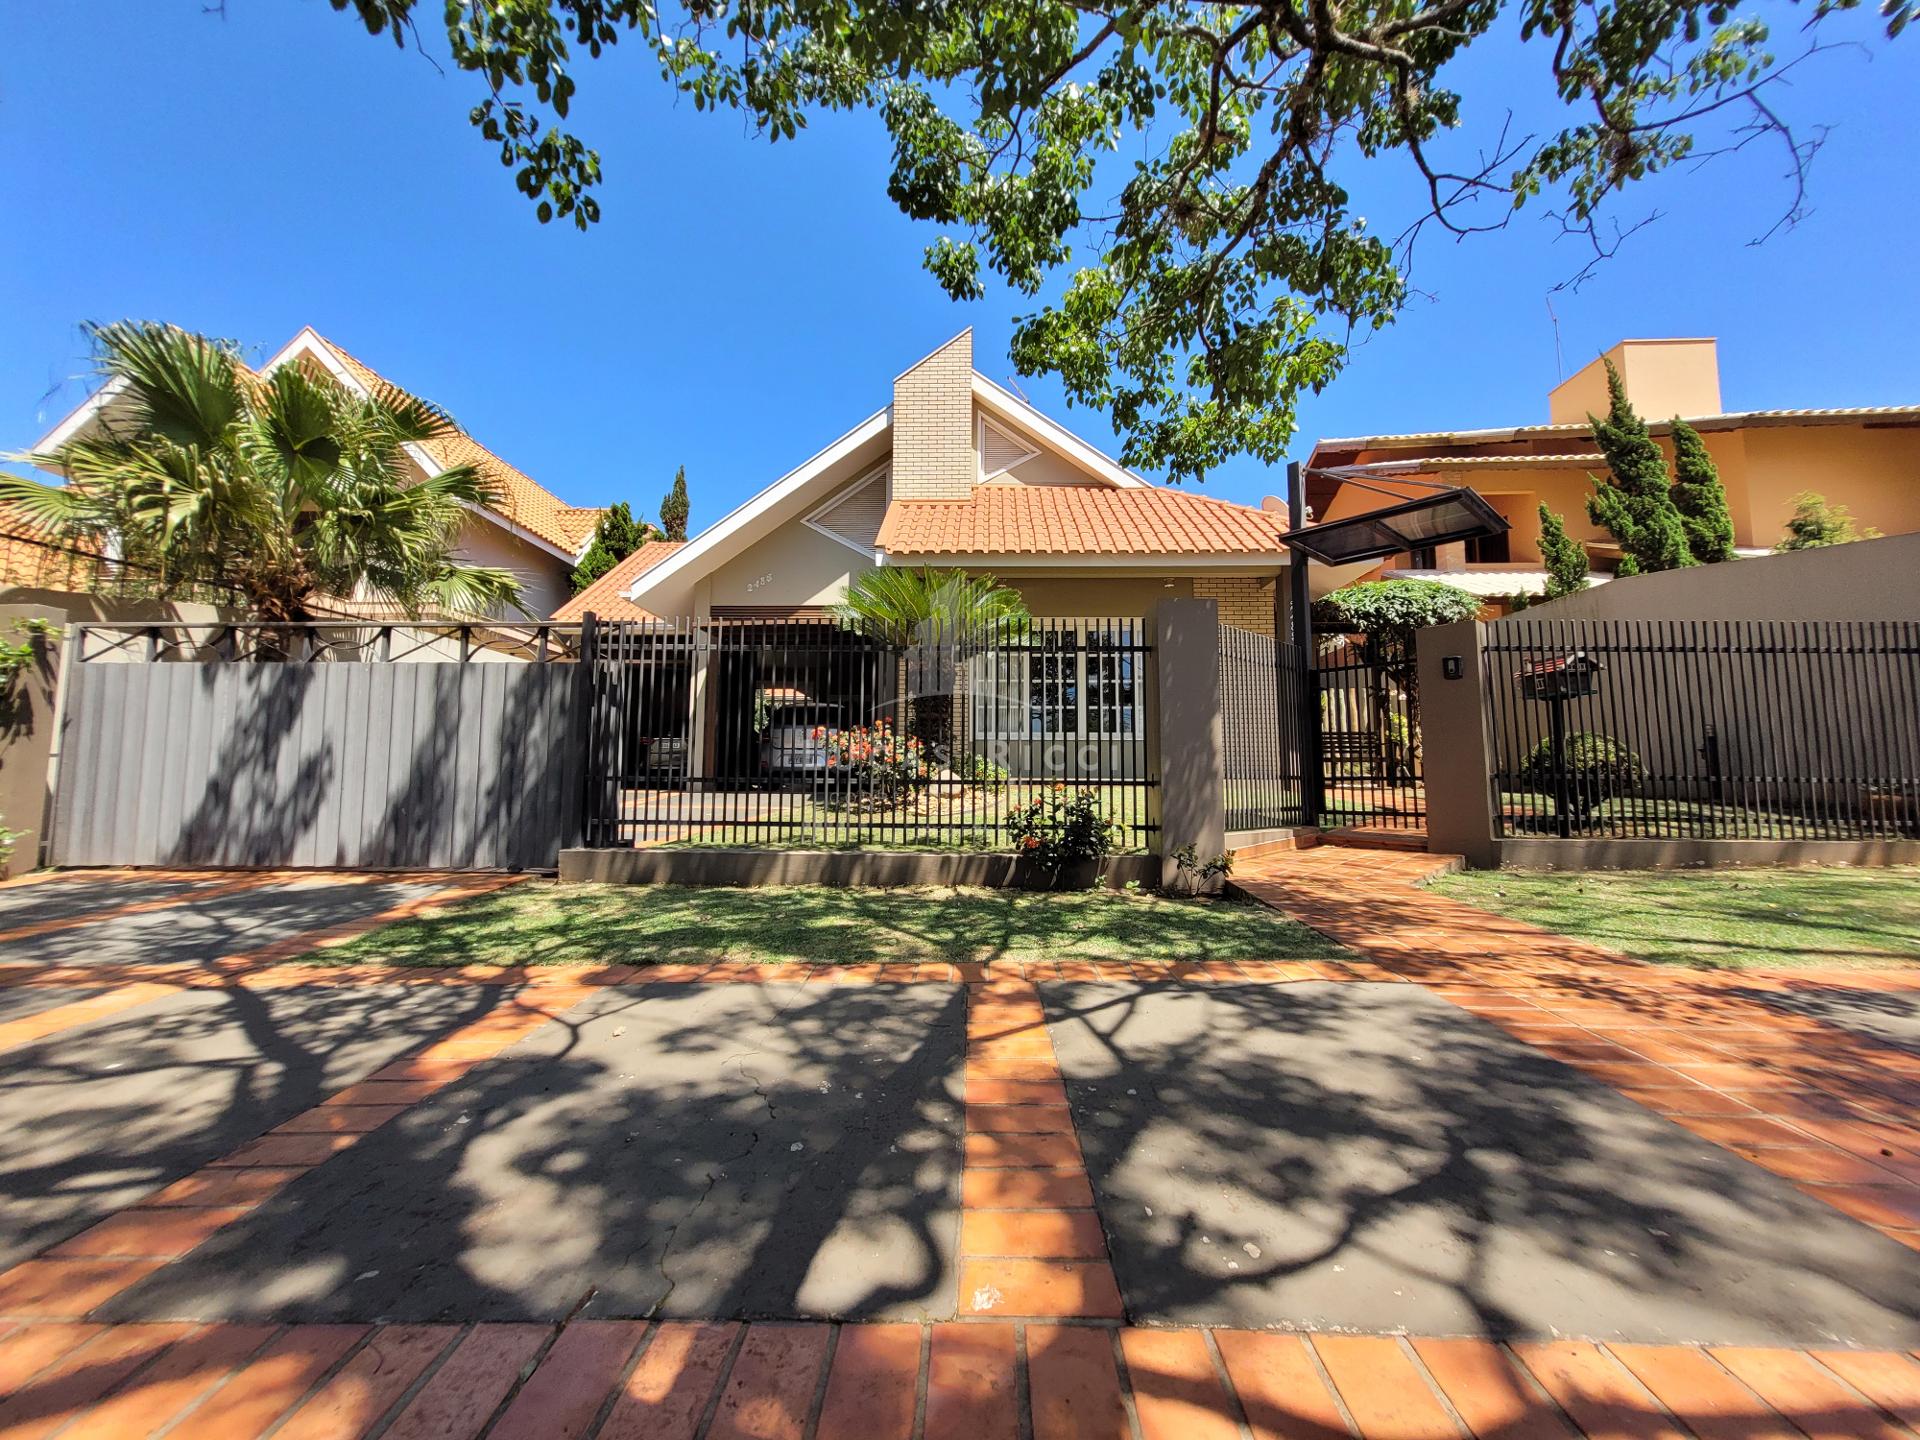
(855,516)
(1000,452)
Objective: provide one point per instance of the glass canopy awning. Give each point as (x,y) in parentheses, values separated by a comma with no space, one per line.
(1449,514)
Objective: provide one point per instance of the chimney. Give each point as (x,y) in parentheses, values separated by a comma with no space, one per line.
(933,455)
(1664,378)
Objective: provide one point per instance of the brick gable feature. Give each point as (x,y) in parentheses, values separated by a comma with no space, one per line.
(933,455)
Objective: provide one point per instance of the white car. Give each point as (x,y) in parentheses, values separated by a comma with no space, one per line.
(795,741)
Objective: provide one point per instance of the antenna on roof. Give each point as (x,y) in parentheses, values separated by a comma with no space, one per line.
(1014,385)
(1559,361)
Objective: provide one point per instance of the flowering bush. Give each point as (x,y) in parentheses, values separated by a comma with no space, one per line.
(875,762)
(1062,827)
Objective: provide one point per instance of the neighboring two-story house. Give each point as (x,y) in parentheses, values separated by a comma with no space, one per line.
(1866,459)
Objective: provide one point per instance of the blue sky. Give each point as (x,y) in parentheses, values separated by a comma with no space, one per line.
(742,304)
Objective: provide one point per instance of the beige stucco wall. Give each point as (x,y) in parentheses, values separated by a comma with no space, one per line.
(1874,472)
(1663,378)
(1096,597)
(543,576)
(795,565)
(1868,580)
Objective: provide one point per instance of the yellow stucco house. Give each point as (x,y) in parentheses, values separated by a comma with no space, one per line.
(1866,459)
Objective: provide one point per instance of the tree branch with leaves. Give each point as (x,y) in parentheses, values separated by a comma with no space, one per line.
(1196,292)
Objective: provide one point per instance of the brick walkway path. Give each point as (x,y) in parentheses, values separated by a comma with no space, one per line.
(1040,1351)
(968,1380)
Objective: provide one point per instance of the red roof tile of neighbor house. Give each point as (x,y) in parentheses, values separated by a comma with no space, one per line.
(524,501)
(1077,520)
(604,596)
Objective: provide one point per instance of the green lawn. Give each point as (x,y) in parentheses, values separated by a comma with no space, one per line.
(1731,919)
(541,923)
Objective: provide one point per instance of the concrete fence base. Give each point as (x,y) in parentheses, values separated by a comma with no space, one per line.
(865,868)
(1643,854)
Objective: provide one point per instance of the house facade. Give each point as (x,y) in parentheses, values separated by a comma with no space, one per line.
(952,470)
(529,531)
(1866,459)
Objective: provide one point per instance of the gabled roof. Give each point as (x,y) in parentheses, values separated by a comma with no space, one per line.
(526,508)
(525,501)
(607,598)
(1078,520)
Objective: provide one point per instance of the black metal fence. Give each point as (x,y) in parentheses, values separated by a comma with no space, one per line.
(1705,729)
(805,734)
(1370,743)
(1260,722)
(337,641)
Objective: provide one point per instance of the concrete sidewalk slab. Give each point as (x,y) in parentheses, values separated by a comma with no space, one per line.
(692,1150)
(196,931)
(71,897)
(93,1118)
(1370,1157)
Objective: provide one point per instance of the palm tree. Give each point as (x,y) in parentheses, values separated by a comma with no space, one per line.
(931,612)
(281,488)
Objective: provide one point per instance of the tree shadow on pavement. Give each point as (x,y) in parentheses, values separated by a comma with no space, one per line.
(1353,1156)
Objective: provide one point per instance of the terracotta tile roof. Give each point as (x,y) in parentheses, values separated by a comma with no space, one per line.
(1077,520)
(604,596)
(525,501)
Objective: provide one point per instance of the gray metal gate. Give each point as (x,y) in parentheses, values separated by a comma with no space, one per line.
(410,746)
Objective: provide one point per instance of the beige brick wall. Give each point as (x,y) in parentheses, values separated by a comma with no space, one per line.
(1246,601)
(933,425)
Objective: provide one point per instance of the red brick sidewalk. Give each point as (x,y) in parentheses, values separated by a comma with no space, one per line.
(628,1380)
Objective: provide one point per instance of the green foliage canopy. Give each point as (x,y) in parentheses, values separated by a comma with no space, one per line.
(617,536)
(1700,498)
(903,605)
(283,488)
(1635,504)
(1397,607)
(1214,267)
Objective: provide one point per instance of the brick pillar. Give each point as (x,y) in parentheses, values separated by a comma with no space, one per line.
(1193,804)
(933,455)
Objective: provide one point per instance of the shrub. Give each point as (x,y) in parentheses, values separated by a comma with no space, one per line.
(1816,524)
(1061,827)
(1197,875)
(980,767)
(875,762)
(1598,767)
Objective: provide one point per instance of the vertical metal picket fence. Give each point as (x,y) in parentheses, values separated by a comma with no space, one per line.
(803,734)
(1705,729)
(1265,755)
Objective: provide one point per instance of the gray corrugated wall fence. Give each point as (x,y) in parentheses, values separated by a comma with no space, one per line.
(342,764)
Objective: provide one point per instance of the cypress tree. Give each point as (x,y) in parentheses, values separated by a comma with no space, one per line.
(673,509)
(1634,503)
(1700,497)
(617,536)
(1565,557)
